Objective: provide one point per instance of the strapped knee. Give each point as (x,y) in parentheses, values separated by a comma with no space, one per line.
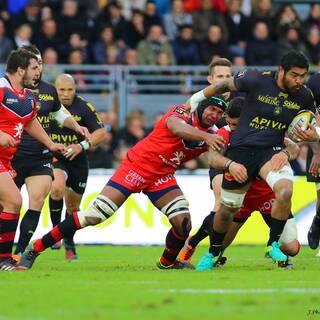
(274,176)
(101,209)
(231,199)
(175,207)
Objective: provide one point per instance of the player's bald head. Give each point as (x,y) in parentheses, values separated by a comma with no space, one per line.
(65,78)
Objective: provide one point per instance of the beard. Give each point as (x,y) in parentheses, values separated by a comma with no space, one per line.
(290,88)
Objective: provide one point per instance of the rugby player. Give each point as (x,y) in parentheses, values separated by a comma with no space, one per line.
(18,113)
(272,101)
(33,161)
(149,167)
(71,171)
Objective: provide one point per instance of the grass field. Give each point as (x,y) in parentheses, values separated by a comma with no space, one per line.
(110,282)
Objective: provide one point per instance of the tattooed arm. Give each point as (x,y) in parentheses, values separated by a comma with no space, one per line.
(214,89)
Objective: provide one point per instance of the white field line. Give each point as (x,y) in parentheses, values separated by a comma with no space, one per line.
(242,291)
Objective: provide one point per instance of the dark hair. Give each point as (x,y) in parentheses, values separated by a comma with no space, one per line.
(219,62)
(19,58)
(294,59)
(32,49)
(235,107)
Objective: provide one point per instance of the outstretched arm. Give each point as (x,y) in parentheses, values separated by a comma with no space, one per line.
(185,131)
(212,90)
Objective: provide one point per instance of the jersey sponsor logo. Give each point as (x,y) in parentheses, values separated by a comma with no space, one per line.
(164,179)
(241,74)
(180,111)
(48,165)
(279,101)
(11,100)
(45,97)
(174,162)
(266,206)
(19,129)
(134,179)
(82,184)
(264,123)
(65,139)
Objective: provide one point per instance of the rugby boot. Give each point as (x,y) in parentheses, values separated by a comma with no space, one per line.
(8,264)
(275,253)
(186,253)
(314,233)
(288,265)
(28,258)
(207,262)
(176,265)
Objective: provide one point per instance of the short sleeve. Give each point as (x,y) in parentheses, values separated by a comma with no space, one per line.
(246,80)
(92,118)
(179,112)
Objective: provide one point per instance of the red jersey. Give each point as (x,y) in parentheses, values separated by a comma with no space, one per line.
(17,109)
(162,152)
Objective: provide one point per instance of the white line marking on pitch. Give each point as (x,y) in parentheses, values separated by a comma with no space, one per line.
(243,291)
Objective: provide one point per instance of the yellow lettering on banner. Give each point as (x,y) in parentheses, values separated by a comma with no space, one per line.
(147,216)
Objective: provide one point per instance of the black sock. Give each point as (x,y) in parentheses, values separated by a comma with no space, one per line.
(55,210)
(8,227)
(216,240)
(317,220)
(68,241)
(204,230)
(276,229)
(174,243)
(28,226)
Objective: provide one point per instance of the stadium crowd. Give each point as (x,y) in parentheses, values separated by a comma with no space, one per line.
(154,32)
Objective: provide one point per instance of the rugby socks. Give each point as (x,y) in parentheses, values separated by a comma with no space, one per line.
(55,210)
(8,227)
(28,226)
(276,229)
(68,241)
(204,230)
(63,229)
(174,243)
(216,239)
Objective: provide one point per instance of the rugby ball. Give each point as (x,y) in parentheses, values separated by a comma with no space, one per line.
(302,119)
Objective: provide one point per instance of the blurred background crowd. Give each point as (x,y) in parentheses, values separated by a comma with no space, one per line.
(158,32)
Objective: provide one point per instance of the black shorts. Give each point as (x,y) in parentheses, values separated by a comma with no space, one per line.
(310,178)
(31,166)
(77,175)
(252,158)
(212,173)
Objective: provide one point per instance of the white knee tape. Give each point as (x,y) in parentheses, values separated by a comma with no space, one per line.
(102,208)
(175,207)
(231,199)
(289,232)
(274,176)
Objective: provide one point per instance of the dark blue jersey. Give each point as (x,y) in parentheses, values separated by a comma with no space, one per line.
(47,102)
(268,109)
(314,85)
(85,114)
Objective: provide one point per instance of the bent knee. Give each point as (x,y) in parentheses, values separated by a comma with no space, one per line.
(184,227)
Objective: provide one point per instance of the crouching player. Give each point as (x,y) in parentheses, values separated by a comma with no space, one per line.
(259,197)
(149,167)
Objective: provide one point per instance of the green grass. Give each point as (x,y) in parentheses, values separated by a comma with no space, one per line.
(111,282)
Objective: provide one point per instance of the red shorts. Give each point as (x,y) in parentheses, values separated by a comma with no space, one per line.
(5,166)
(130,179)
(253,202)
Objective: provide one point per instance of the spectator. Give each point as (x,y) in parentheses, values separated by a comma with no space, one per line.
(239,61)
(76,58)
(6,44)
(136,30)
(313,45)
(261,51)
(71,21)
(50,65)
(212,45)
(239,28)
(262,11)
(150,15)
(155,43)
(113,17)
(48,37)
(129,135)
(313,20)
(130,6)
(290,41)
(76,42)
(286,18)
(131,58)
(23,36)
(185,48)
(176,18)
(206,16)
(100,48)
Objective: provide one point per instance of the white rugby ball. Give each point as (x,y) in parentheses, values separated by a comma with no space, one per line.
(302,119)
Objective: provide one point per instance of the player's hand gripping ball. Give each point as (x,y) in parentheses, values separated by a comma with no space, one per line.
(301,120)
